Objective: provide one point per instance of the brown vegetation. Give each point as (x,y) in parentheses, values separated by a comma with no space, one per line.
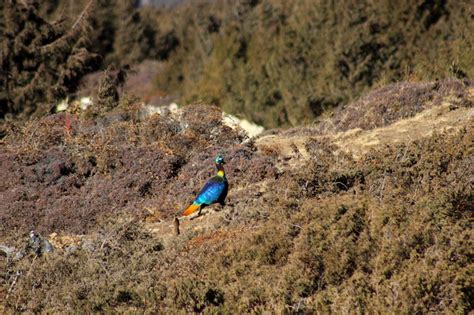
(358,212)
(390,231)
(66,174)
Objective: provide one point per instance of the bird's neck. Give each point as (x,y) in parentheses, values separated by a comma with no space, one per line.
(220,170)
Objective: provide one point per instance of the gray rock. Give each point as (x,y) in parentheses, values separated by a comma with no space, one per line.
(7,251)
(39,245)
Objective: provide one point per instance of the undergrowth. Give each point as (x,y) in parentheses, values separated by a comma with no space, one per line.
(390,232)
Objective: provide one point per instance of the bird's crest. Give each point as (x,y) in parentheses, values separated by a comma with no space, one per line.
(219,159)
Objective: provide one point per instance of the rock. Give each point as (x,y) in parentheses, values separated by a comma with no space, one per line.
(250,128)
(39,244)
(7,251)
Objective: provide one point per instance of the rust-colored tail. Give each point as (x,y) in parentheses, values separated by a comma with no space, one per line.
(191,209)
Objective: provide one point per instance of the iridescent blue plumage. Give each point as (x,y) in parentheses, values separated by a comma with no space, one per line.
(211,191)
(215,190)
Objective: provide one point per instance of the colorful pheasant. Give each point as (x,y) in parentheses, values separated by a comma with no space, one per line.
(214,191)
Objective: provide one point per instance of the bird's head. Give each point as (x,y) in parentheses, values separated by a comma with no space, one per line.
(219,160)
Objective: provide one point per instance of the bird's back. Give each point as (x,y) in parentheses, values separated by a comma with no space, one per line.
(212,190)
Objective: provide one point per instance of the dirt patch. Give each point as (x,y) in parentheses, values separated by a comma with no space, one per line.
(398,101)
(444,117)
(425,109)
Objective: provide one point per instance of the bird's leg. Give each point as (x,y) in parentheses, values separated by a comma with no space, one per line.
(199,213)
(221,205)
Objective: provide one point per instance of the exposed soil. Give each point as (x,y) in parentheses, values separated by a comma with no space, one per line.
(425,109)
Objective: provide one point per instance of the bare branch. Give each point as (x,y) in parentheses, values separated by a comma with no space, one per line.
(83,14)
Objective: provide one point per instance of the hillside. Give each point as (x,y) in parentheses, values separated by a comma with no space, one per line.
(369,209)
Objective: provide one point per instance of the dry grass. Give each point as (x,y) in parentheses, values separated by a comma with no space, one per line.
(388,232)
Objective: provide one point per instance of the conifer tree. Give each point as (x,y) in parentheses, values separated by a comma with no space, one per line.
(135,35)
(107,94)
(40,61)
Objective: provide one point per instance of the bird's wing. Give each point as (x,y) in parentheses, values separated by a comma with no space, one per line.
(211,191)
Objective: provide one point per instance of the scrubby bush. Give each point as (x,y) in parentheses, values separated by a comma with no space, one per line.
(389,232)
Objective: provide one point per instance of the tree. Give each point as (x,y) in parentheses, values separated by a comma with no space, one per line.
(40,61)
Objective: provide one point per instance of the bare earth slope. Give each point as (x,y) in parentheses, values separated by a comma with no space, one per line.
(368,210)
(399,113)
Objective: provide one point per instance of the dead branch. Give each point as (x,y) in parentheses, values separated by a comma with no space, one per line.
(83,14)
